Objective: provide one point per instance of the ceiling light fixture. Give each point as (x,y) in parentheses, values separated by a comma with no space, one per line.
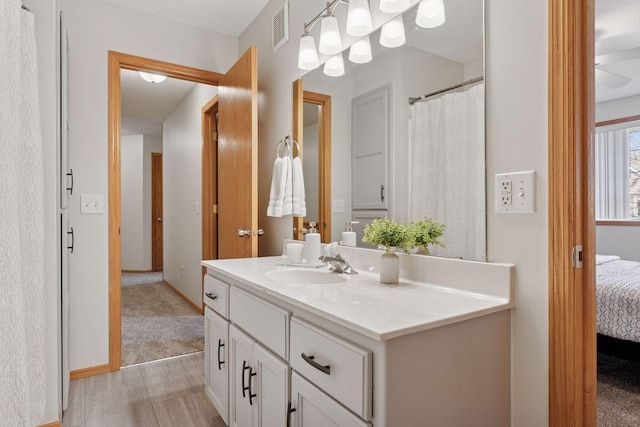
(152,78)
(392,33)
(359,18)
(360,52)
(394,6)
(334,67)
(430,14)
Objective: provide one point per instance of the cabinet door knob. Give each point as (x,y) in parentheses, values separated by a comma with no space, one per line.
(290,411)
(251,396)
(310,360)
(244,388)
(212,296)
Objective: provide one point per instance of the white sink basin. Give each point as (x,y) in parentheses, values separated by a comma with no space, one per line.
(306,277)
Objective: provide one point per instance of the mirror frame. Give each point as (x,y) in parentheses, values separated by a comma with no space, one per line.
(301,96)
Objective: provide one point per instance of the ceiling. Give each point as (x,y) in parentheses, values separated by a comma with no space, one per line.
(149,101)
(230,17)
(618,28)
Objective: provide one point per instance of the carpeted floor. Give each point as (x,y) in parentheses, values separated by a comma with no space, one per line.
(156,323)
(618,392)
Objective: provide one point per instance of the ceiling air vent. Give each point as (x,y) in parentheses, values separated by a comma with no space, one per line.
(280,27)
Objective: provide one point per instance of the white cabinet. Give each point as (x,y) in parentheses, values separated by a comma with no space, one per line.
(259,384)
(216,362)
(312,408)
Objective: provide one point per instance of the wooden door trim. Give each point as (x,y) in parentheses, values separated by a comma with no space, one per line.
(572,334)
(209,187)
(116,62)
(301,96)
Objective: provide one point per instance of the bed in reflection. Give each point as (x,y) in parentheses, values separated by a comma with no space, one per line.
(618,306)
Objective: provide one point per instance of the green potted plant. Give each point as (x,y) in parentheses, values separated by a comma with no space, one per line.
(389,234)
(427,232)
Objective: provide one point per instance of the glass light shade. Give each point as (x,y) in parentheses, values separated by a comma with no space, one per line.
(334,66)
(430,14)
(330,41)
(394,6)
(152,78)
(307,54)
(359,18)
(392,33)
(360,52)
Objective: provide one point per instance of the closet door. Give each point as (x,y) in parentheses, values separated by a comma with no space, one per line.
(370,141)
(65,174)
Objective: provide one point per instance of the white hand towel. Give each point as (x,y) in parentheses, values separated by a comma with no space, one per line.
(287,203)
(299,201)
(278,183)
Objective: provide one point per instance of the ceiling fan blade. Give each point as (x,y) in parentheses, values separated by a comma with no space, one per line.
(611,80)
(622,55)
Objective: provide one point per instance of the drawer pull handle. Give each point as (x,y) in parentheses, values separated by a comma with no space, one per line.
(212,296)
(220,362)
(244,388)
(319,367)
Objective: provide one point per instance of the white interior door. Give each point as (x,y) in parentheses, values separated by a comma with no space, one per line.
(66,243)
(66,175)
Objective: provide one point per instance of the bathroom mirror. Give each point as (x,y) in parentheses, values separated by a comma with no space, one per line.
(393,158)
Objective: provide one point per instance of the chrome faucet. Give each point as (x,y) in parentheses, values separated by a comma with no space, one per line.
(338,264)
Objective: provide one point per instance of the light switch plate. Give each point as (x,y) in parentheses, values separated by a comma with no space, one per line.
(91,204)
(516,192)
(338,205)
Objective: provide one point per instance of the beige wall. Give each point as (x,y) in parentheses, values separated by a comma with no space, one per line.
(516,48)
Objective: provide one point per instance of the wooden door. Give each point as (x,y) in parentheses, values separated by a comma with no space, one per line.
(156,212)
(238,159)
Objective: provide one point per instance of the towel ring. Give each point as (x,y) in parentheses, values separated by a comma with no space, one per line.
(286,143)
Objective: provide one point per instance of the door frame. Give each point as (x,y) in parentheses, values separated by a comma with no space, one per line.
(154,237)
(116,62)
(209,185)
(301,96)
(572,325)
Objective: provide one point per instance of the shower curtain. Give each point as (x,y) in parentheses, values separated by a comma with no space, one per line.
(447,169)
(22,345)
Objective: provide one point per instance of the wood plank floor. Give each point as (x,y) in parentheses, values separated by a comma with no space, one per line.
(163,393)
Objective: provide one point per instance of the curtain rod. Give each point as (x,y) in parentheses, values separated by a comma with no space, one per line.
(424,97)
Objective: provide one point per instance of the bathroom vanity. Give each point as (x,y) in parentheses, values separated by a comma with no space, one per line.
(309,347)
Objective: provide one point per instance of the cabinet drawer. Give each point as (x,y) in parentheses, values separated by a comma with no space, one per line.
(216,295)
(263,321)
(343,370)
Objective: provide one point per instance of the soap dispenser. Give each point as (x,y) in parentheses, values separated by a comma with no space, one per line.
(348,235)
(312,245)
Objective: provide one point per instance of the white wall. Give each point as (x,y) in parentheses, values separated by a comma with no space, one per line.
(135,194)
(623,241)
(136,126)
(182,193)
(516,39)
(618,108)
(131,176)
(46,24)
(95,28)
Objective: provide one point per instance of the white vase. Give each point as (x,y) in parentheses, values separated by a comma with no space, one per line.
(389,268)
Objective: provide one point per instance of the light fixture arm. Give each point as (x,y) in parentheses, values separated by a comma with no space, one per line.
(328,11)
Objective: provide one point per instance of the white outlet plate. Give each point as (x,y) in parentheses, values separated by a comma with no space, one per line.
(338,205)
(516,192)
(91,204)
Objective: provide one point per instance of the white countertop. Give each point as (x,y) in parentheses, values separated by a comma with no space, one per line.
(362,303)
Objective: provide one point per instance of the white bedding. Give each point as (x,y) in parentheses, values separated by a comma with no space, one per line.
(618,299)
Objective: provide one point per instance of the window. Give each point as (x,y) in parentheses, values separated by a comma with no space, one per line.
(618,171)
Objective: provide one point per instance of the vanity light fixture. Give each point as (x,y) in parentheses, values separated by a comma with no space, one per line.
(394,6)
(307,54)
(392,33)
(430,14)
(330,39)
(360,51)
(334,67)
(359,18)
(152,78)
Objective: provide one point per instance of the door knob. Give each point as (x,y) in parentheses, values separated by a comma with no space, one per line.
(258,232)
(159,219)
(244,233)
